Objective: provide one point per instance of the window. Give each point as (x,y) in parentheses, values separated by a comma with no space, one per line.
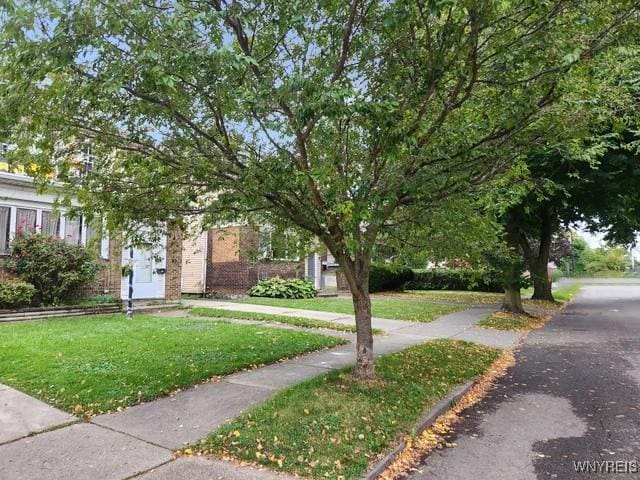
(277,245)
(73,230)
(25,221)
(91,233)
(50,223)
(5,222)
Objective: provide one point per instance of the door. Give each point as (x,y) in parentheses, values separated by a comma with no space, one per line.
(148,272)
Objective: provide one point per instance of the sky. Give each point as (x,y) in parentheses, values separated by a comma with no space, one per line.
(595,240)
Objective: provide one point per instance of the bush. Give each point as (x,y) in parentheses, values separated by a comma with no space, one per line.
(388,277)
(277,287)
(457,279)
(54,267)
(16,293)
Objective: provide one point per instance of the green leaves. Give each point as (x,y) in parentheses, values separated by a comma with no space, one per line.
(277,287)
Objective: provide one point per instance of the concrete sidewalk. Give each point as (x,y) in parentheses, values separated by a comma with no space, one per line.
(139,440)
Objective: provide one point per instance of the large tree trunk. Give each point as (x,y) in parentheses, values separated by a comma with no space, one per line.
(541,281)
(538,264)
(512,301)
(357,275)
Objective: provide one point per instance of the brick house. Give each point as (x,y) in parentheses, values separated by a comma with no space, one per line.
(157,268)
(231,259)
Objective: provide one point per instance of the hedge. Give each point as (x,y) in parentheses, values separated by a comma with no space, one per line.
(387,277)
(456,279)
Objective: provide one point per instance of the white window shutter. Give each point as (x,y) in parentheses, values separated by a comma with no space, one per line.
(104,246)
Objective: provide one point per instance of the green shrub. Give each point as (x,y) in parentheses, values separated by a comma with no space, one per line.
(54,267)
(16,293)
(388,277)
(277,287)
(457,279)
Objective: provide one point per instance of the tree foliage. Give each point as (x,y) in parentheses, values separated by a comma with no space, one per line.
(342,119)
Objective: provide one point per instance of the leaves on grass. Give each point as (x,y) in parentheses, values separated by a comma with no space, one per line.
(514,321)
(334,426)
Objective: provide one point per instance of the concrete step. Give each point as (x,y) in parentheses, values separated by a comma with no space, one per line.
(35,314)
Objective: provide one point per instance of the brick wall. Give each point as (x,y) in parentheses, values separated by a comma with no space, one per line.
(224,244)
(238,277)
(230,268)
(173,277)
(109,278)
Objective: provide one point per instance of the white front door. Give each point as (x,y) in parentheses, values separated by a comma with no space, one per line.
(148,272)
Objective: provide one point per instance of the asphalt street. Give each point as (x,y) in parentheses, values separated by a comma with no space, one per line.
(570,407)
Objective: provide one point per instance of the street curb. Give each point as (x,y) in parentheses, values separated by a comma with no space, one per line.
(427,420)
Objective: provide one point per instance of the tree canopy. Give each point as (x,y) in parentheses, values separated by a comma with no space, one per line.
(338,118)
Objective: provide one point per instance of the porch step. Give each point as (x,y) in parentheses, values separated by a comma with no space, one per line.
(57,312)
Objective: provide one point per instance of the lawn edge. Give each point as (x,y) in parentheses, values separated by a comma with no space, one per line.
(428,419)
(407,454)
(213,379)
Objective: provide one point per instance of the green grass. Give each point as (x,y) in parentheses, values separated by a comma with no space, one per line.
(513,321)
(565,294)
(94,364)
(266,317)
(456,296)
(413,310)
(561,295)
(333,426)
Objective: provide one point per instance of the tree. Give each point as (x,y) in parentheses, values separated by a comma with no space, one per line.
(331,117)
(588,173)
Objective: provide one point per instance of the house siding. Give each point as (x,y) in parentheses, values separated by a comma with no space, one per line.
(194,264)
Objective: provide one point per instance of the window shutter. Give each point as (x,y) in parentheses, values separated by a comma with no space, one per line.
(104,246)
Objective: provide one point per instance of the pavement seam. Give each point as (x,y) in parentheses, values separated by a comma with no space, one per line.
(143,472)
(44,430)
(105,427)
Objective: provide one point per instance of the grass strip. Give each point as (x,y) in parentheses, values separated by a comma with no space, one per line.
(413,310)
(89,365)
(456,296)
(267,317)
(333,426)
(515,322)
(561,295)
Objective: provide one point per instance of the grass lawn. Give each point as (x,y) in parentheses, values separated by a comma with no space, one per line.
(89,365)
(266,317)
(513,321)
(414,310)
(456,296)
(332,426)
(565,294)
(561,295)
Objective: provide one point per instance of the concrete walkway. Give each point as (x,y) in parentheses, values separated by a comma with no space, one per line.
(140,439)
